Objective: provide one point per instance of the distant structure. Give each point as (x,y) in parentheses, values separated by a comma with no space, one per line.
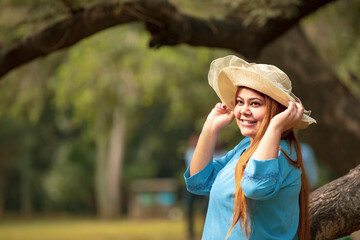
(153,198)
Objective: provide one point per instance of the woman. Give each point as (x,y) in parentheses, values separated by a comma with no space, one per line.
(259,189)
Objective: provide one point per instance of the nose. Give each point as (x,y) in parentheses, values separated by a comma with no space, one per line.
(245,109)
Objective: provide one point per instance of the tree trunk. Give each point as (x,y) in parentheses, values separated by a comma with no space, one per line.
(115,161)
(110,146)
(336,136)
(335,207)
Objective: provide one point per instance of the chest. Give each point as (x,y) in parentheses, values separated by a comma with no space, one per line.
(223,188)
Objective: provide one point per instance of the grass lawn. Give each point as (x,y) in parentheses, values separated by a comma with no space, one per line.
(92,229)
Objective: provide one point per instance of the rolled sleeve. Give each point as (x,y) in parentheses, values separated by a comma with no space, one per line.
(261,179)
(201,182)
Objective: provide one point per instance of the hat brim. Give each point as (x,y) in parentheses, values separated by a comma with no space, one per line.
(229,79)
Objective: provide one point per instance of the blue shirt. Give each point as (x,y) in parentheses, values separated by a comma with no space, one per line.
(272,188)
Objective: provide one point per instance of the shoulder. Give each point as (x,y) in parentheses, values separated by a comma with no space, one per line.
(288,163)
(288,149)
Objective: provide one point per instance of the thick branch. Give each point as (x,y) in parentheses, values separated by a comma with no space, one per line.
(64,34)
(248,41)
(164,22)
(335,208)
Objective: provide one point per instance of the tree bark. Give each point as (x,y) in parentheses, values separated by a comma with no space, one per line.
(166,24)
(335,207)
(336,136)
(109,162)
(115,162)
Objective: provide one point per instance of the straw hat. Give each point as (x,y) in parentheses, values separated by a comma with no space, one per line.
(228,73)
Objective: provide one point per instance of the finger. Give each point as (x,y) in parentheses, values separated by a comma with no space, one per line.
(296,109)
(221,108)
(300,110)
(300,107)
(218,107)
(291,109)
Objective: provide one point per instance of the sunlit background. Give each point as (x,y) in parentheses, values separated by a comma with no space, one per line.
(93,138)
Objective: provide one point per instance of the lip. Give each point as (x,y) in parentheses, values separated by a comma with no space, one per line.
(247,123)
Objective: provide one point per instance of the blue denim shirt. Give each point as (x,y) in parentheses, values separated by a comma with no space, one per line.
(272,188)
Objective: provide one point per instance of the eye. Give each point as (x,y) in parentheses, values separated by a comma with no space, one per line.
(239,101)
(255,104)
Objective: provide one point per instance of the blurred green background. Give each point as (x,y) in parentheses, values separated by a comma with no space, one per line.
(110,102)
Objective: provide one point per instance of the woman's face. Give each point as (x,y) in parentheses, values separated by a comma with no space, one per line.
(249,111)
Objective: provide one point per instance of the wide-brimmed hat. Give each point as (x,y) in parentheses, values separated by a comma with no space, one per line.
(228,73)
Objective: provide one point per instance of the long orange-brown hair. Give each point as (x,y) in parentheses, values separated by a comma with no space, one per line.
(241,208)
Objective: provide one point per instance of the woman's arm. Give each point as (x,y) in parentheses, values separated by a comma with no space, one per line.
(218,118)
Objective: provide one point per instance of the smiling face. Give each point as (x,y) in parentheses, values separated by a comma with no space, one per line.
(249,111)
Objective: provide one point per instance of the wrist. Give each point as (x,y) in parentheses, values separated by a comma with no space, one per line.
(210,128)
(275,129)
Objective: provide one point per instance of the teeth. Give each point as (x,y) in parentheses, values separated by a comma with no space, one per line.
(245,121)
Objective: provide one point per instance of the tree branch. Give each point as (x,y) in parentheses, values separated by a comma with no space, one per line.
(63,34)
(165,23)
(335,208)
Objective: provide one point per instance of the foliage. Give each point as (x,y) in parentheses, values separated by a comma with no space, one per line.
(19,18)
(25,157)
(163,94)
(337,39)
(258,12)
(69,182)
(162,89)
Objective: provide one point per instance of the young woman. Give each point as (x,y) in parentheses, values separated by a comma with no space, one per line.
(259,189)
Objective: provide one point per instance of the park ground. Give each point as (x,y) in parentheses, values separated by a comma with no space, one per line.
(70,228)
(91,229)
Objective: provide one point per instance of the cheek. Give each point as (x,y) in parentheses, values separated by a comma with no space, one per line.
(259,116)
(237,112)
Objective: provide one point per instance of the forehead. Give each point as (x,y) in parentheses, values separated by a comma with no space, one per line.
(248,93)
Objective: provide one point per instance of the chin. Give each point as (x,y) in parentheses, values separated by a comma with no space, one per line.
(247,134)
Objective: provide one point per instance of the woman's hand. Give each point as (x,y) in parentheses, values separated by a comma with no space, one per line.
(219,117)
(270,143)
(288,118)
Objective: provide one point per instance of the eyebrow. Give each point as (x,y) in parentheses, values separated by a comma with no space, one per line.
(253,98)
